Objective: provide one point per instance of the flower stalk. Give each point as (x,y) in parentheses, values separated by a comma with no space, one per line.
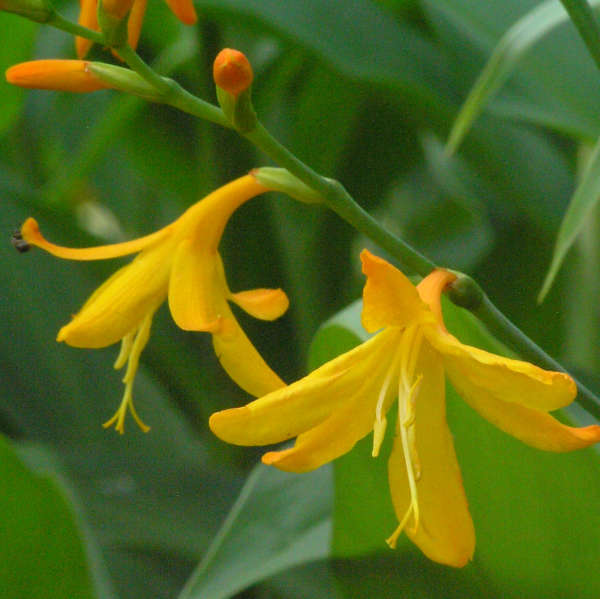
(465,292)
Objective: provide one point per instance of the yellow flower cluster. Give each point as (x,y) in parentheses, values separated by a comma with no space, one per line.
(403,365)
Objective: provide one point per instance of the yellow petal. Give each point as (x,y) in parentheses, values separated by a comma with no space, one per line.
(197,288)
(445,531)
(294,409)
(349,423)
(205,221)
(514,381)
(534,427)
(266,304)
(31,234)
(240,359)
(430,291)
(389,298)
(120,304)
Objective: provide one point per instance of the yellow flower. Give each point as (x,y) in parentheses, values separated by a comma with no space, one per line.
(342,401)
(88,17)
(180,262)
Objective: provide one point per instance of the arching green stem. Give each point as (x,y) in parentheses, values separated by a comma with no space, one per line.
(464,292)
(58,21)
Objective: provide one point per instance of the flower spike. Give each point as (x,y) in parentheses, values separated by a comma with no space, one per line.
(233,76)
(406,363)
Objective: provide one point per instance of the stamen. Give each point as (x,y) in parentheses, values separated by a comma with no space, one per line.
(408,391)
(131,349)
(126,344)
(379,427)
(393,538)
(380,423)
(411,403)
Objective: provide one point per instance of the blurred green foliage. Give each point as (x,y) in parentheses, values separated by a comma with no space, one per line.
(364,91)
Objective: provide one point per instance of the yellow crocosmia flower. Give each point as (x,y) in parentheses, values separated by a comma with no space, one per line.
(405,363)
(180,262)
(88,17)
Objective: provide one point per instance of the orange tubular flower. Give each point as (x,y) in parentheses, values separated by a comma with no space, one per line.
(333,407)
(65,75)
(88,17)
(180,262)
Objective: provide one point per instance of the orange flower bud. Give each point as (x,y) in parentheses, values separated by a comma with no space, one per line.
(232,72)
(118,9)
(65,75)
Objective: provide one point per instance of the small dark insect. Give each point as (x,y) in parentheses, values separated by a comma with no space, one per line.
(19,243)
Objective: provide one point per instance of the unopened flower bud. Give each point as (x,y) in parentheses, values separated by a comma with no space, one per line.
(35,10)
(232,72)
(233,77)
(63,75)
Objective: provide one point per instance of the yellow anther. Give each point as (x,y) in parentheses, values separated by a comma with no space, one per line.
(131,349)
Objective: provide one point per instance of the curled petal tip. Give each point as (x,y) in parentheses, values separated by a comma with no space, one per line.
(266,304)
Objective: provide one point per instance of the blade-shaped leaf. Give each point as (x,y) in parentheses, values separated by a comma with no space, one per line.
(280,520)
(509,51)
(43,552)
(17,40)
(582,202)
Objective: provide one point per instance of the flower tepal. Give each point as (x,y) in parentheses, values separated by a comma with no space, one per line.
(180,262)
(135,9)
(405,365)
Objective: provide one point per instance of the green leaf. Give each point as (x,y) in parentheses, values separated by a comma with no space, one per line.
(340,333)
(506,56)
(397,57)
(582,17)
(555,85)
(280,520)
(582,203)
(17,41)
(43,552)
